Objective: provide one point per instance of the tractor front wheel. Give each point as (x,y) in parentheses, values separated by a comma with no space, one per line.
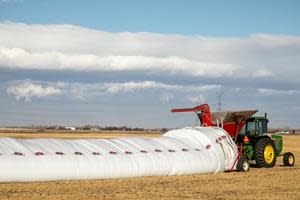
(242,165)
(265,155)
(288,159)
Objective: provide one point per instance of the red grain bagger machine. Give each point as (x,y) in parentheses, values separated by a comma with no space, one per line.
(250,134)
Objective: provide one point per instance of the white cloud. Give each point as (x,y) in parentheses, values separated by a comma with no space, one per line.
(22,59)
(27,90)
(262,73)
(266,91)
(68,47)
(133,86)
(198,99)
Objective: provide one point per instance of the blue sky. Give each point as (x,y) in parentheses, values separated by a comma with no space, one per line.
(209,18)
(129,62)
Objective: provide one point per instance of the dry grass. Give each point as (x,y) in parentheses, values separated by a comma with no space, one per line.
(276,183)
(36,133)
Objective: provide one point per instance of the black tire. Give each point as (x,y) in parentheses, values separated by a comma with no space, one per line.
(261,146)
(242,165)
(288,159)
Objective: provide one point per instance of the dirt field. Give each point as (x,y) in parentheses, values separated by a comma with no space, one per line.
(276,183)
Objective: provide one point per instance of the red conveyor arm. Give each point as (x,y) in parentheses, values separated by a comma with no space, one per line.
(205,112)
(203,108)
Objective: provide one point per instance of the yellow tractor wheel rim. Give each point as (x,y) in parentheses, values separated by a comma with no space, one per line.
(269,154)
(291,159)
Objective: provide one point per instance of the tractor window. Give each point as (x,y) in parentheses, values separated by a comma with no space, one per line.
(256,127)
(264,126)
(250,128)
(259,127)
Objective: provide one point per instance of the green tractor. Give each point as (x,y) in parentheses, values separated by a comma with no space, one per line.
(250,133)
(259,146)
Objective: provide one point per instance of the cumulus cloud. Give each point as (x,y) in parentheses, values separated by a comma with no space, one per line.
(262,73)
(266,91)
(27,90)
(133,86)
(198,99)
(22,59)
(68,47)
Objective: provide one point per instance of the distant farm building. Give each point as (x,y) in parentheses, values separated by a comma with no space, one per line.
(70,128)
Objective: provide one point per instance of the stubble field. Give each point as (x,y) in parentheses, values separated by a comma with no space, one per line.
(276,183)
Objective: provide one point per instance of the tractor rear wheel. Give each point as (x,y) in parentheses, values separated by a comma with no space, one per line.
(242,165)
(288,159)
(265,155)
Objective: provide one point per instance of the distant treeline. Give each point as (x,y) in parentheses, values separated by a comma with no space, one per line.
(112,128)
(103,128)
(286,130)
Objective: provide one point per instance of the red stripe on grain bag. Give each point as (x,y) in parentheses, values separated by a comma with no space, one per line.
(39,153)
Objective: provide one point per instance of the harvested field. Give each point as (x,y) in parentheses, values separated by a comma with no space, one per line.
(36,133)
(276,183)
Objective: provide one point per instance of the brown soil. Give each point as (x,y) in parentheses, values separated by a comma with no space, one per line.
(276,183)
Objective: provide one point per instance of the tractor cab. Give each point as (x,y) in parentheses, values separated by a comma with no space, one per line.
(255,126)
